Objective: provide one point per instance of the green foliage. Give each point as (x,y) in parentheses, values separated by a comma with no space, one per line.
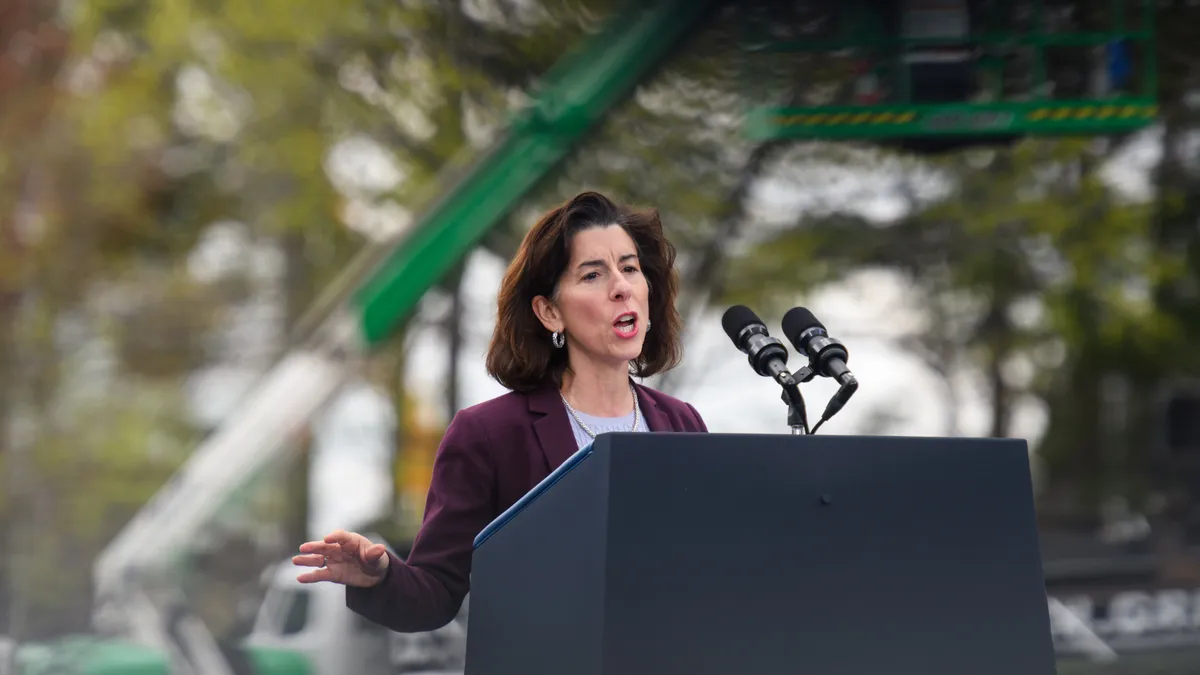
(93,469)
(1034,229)
(155,120)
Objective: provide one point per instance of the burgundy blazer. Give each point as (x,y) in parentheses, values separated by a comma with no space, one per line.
(492,454)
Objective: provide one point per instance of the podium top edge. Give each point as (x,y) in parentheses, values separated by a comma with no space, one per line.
(605,441)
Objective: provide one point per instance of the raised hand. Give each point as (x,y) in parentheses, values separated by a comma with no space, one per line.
(346,558)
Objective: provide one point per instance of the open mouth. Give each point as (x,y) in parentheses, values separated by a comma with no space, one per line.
(626,324)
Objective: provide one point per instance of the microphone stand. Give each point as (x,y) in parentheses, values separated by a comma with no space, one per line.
(797,412)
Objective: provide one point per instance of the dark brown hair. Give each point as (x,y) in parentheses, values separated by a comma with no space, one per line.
(520,355)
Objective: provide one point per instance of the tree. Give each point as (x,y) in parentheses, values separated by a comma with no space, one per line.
(1033,259)
(1023,258)
(181,115)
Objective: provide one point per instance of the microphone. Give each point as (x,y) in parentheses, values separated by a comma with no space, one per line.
(767,355)
(827,357)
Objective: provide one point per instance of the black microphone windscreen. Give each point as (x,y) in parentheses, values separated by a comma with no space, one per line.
(798,320)
(736,318)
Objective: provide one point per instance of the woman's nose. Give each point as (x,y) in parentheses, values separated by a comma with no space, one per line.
(621,289)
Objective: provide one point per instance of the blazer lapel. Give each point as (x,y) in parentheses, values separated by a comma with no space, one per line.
(551,426)
(656,419)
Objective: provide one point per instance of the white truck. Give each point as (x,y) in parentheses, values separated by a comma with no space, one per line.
(313,620)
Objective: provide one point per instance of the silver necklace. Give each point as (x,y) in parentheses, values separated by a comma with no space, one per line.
(637,412)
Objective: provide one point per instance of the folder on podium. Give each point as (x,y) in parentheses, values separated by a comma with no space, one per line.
(721,554)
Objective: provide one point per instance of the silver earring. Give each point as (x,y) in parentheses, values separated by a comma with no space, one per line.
(647,325)
(558,339)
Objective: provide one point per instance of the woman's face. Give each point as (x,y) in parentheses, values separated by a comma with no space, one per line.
(602,301)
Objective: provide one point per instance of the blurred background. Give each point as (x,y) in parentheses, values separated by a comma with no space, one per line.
(249,254)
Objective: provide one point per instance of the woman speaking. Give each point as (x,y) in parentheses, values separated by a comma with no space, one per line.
(588,300)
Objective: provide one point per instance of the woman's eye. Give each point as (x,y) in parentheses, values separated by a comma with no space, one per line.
(631,269)
(590,276)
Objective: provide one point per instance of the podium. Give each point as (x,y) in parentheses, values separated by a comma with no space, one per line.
(715,554)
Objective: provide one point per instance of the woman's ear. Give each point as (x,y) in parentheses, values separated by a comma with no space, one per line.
(547,313)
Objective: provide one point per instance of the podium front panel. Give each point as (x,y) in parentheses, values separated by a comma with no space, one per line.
(832,555)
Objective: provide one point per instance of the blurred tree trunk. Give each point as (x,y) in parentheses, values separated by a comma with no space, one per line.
(996,337)
(454,337)
(298,293)
(10,487)
(1177,239)
(10,296)
(704,280)
(34,50)
(395,364)
(1090,470)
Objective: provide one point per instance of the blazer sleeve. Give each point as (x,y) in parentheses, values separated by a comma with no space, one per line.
(700,426)
(425,592)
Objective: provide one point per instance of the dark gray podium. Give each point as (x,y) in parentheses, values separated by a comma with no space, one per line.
(712,554)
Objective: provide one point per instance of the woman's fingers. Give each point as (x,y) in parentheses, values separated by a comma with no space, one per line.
(373,554)
(340,554)
(339,537)
(342,558)
(317,575)
(309,560)
(319,548)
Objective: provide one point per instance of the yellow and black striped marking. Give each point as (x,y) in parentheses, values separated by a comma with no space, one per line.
(1042,114)
(1052,113)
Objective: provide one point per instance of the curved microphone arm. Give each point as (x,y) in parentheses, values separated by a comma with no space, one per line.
(849,386)
(797,412)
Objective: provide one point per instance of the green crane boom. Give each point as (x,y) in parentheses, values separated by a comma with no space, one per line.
(576,95)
